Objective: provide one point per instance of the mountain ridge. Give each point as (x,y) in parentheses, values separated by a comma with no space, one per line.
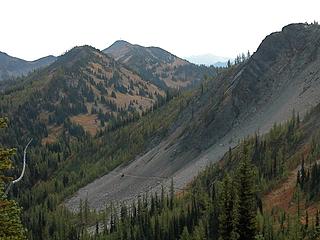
(15,67)
(163,68)
(88,86)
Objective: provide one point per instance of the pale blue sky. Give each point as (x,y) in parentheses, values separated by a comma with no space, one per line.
(35,28)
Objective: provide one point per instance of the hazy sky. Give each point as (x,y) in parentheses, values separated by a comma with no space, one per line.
(34,28)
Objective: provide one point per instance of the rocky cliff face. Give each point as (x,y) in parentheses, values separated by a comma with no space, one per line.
(282,75)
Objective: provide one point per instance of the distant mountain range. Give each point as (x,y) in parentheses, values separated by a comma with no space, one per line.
(208,60)
(157,65)
(154,64)
(14,67)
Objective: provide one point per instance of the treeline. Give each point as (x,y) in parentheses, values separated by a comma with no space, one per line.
(227,211)
(241,58)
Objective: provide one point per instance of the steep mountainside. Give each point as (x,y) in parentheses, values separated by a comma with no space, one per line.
(157,65)
(85,86)
(272,179)
(281,76)
(13,67)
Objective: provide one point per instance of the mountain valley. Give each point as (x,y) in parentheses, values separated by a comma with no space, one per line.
(137,143)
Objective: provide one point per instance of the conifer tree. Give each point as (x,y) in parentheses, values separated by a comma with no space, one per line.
(10,222)
(228,218)
(247,200)
(199,232)
(185,234)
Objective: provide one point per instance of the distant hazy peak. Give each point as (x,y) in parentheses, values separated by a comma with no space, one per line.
(120,43)
(13,67)
(157,65)
(207,59)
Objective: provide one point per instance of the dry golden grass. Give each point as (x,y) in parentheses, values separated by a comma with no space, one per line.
(124,100)
(283,195)
(89,122)
(176,84)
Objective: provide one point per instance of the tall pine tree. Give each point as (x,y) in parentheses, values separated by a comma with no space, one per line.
(228,218)
(247,200)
